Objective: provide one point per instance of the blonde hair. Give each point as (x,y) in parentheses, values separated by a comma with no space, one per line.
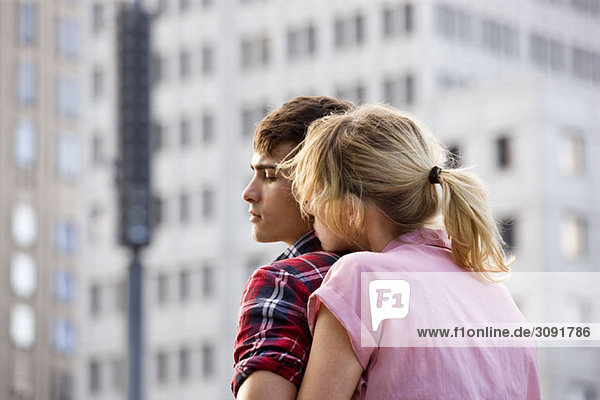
(376,154)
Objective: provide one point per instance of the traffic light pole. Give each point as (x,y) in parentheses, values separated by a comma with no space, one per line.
(136,321)
(134,181)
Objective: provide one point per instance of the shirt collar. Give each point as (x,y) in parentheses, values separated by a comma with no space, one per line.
(306,244)
(426,236)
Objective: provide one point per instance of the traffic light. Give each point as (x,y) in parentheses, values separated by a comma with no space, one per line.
(134,126)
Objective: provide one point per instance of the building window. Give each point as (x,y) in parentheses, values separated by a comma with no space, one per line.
(246,53)
(497,37)
(23,275)
(445,21)
(162,289)
(410,89)
(65,237)
(349,31)
(208,281)
(255,51)
(251,115)
(97,150)
(26,83)
(448,80)
(455,24)
(157,69)
(162,367)
(62,386)
(507,232)
(97,83)
(546,53)
(68,38)
(157,136)
(208,127)
(94,376)
(184,208)
(22,326)
(184,285)
(25,143)
(589,7)
(399,91)
(208,206)
(68,99)
(265,50)
(95,300)
(301,42)
(157,211)
(464,27)
(185,134)
(63,336)
(184,64)
(27,23)
(585,64)
(24,225)
(63,286)
(390,24)
(119,374)
(208,360)
(397,20)
(409,18)
(184,364)
(359,26)
(184,5)
(571,158)
(67,161)
(98,19)
(97,223)
(500,38)
(573,237)
(120,291)
(503,152)
(208,59)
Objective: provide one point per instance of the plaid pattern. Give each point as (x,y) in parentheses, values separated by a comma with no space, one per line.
(272,328)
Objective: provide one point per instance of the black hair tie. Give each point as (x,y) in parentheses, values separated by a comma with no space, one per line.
(434,175)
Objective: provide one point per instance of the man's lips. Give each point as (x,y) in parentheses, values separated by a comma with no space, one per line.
(254,216)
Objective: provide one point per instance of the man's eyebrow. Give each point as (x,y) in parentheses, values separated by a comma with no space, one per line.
(259,167)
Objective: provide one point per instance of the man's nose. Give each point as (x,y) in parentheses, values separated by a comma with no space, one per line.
(251,194)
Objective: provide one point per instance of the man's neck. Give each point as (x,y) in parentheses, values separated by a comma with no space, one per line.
(290,242)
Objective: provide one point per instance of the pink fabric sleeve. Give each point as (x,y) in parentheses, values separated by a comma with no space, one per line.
(340,292)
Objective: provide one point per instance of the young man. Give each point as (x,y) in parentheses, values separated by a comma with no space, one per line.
(273,340)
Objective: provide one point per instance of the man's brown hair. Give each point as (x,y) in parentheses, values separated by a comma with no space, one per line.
(288,123)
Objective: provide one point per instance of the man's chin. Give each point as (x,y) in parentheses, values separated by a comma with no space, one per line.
(262,238)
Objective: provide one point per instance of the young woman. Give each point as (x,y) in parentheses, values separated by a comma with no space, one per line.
(373,181)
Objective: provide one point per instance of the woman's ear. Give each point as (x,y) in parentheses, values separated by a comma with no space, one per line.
(355,213)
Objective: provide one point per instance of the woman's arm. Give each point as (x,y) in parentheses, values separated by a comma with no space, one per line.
(333,370)
(266,385)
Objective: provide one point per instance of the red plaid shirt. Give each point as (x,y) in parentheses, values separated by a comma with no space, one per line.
(272,328)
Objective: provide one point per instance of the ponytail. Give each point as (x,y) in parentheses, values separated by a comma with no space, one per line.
(476,242)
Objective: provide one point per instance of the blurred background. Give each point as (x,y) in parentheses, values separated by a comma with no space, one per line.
(512,88)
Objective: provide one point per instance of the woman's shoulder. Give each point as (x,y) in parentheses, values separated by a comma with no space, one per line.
(362,260)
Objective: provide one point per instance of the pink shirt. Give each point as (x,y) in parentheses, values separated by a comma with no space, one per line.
(439,371)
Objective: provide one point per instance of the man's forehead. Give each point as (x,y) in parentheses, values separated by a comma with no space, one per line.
(264,160)
(274,158)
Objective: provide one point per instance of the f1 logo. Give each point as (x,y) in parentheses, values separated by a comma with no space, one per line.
(388,298)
